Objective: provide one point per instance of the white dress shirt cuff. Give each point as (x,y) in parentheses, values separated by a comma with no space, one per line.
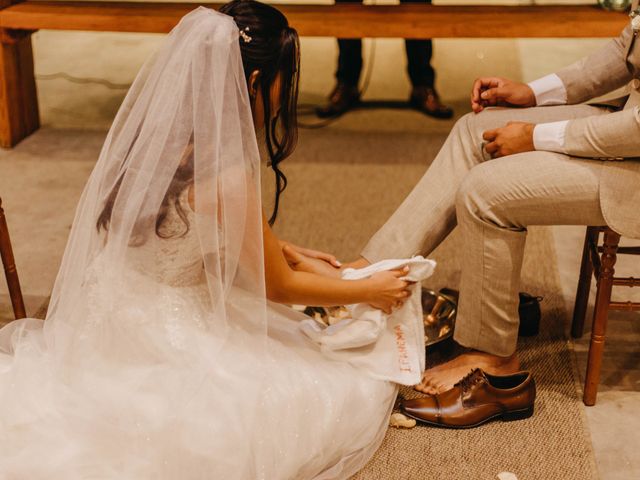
(549,90)
(550,136)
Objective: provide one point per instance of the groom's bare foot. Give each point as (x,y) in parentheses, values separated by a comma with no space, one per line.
(303,263)
(359,263)
(442,377)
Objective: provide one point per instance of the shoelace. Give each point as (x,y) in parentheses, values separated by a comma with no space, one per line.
(471,378)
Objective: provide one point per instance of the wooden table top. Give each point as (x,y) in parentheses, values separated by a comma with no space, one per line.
(345,20)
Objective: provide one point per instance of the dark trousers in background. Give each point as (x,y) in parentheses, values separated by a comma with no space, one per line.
(419,54)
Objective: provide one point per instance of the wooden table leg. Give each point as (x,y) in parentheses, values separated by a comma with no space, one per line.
(19,115)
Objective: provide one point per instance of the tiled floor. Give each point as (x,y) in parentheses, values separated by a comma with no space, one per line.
(40,195)
(613,421)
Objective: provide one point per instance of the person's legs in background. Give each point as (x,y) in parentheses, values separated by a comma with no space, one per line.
(346,94)
(422,75)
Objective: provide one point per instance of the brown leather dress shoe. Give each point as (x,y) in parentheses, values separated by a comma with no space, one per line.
(427,101)
(476,399)
(342,99)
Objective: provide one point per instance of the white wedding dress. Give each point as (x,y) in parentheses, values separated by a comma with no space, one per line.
(160,357)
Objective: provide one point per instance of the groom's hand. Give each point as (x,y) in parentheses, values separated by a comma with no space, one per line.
(515,137)
(498,91)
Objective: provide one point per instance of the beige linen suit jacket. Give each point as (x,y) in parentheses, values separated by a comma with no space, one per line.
(615,136)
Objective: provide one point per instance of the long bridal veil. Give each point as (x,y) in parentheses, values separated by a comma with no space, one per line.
(160,357)
(108,341)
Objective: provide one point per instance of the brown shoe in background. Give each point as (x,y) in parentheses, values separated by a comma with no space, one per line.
(342,99)
(476,399)
(427,101)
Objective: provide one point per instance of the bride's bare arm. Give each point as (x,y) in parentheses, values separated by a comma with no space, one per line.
(284,285)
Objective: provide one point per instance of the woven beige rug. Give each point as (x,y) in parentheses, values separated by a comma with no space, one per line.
(337,207)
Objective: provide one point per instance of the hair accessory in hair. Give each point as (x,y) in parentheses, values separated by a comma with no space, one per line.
(245,37)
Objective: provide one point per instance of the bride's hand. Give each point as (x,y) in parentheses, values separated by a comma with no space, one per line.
(387,290)
(304,263)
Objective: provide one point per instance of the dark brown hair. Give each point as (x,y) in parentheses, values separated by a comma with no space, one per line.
(273,51)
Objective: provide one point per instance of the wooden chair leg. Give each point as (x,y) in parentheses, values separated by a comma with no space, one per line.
(6,252)
(584,283)
(19,115)
(600,316)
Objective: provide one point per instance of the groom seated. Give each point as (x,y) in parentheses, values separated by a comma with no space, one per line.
(529,154)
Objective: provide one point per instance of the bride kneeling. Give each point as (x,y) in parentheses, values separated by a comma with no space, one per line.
(161,356)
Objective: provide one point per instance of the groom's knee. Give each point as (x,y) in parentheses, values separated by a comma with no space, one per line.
(465,124)
(475,124)
(471,126)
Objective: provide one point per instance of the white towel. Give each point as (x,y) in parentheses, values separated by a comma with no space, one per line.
(388,347)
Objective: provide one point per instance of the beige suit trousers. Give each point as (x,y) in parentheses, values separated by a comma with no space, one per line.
(493,201)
